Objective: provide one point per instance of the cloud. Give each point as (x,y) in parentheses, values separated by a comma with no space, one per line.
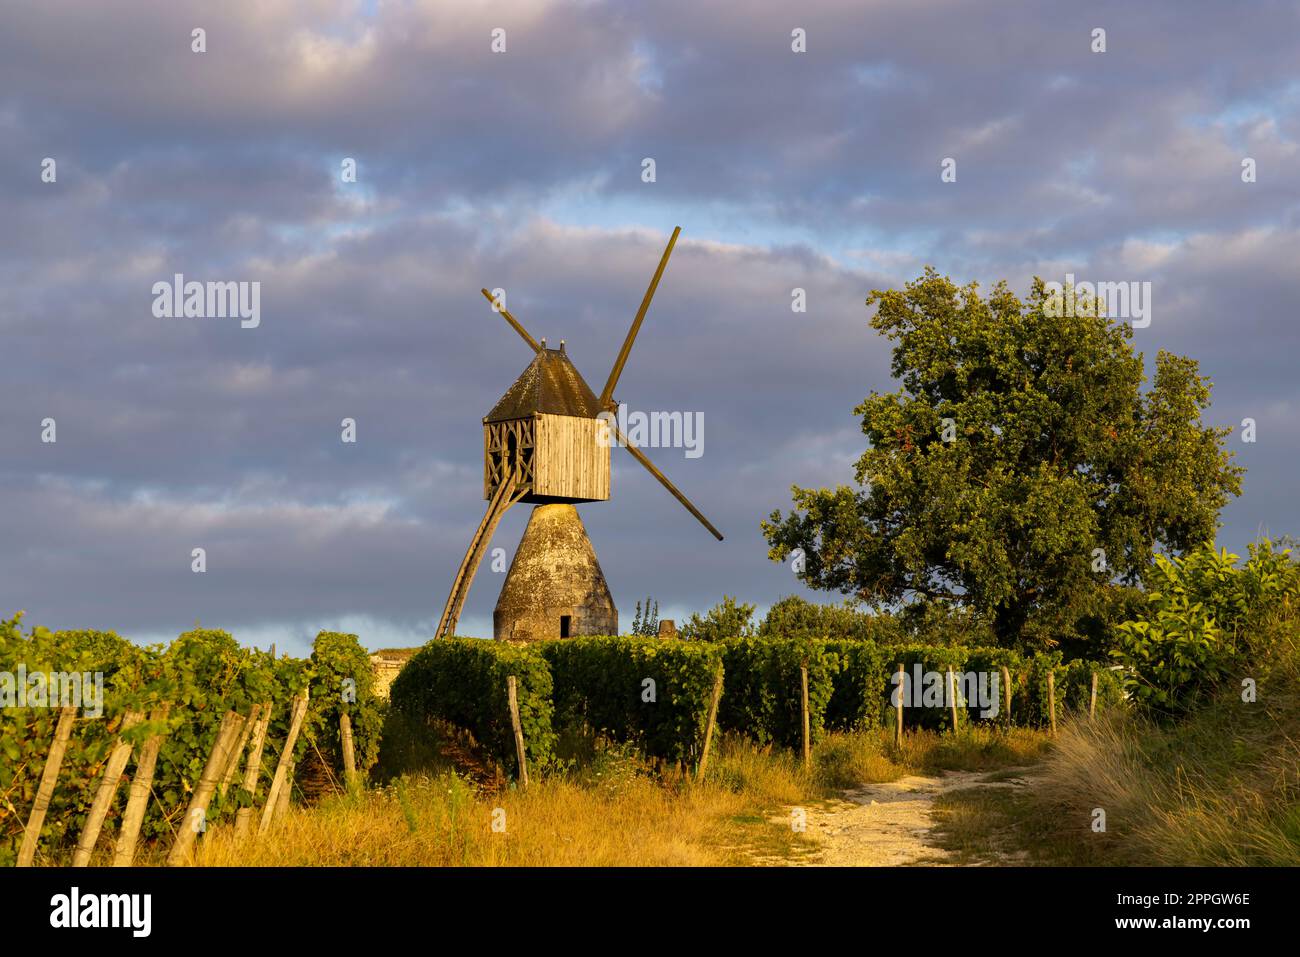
(522,171)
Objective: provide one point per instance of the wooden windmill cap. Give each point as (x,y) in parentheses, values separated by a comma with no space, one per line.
(550,385)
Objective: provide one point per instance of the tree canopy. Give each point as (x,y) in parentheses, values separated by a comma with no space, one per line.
(1020,469)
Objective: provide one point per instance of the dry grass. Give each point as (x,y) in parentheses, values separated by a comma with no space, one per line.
(1221,788)
(610,811)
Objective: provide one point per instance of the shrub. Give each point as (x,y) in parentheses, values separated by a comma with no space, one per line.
(343,681)
(727,620)
(1204,616)
(463,681)
(602,682)
(796,617)
(762,687)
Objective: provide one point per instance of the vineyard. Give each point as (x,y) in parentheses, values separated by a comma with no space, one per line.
(219,734)
(665,696)
(167,742)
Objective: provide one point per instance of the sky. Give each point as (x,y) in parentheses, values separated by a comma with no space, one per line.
(523,169)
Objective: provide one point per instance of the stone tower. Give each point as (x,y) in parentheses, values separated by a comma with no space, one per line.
(555,588)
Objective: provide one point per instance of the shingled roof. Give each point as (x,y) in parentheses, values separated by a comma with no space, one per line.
(551,385)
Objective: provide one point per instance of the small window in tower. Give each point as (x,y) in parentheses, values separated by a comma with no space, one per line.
(564,626)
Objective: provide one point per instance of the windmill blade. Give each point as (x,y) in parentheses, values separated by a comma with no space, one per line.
(663,480)
(607,395)
(518,326)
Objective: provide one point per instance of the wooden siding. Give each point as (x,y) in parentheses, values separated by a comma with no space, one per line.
(569,461)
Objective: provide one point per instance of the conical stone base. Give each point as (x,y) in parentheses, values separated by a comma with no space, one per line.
(555,587)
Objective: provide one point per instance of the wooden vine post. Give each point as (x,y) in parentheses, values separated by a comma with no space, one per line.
(349,752)
(137,800)
(286,758)
(45,791)
(713,720)
(253,771)
(1092,699)
(282,802)
(898,708)
(952,697)
(1006,684)
(232,725)
(512,694)
(1051,699)
(232,765)
(807,732)
(105,793)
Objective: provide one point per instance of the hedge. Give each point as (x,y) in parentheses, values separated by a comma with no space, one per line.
(654,693)
(863,686)
(463,681)
(762,687)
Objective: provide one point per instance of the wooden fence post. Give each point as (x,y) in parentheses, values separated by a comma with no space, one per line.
(1051,698)
(513,696)
(232,765)
(231,727)
(286,792)
(898,726)
(1006,682)
(286,758)
(1092,699)
(349,753)
(807,730)
(253,771)
(708,728)
(45,791)
(105,793)
(137,801)
(952,697)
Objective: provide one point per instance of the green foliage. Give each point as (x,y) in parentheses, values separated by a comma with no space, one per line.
(762,694)
(796,617)
(1203,623)
(203,673)
(648,624)
(860,693)
(26,732)
(463,681)
(726,620)
(343,681)
(1018,442)
(601,682)
(935,622)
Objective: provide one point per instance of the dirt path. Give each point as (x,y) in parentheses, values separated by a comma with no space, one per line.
(885,824)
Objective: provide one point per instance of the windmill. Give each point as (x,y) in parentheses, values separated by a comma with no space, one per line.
(546,443)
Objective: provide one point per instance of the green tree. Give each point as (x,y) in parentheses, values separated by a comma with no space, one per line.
(726,620)
(1019,470)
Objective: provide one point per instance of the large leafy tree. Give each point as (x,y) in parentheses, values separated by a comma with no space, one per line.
(1021,469)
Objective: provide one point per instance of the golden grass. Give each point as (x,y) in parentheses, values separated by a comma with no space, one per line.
(611,811)
(1220,788)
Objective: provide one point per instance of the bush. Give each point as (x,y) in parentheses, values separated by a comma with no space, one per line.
(203,673)
(762,687)
(343,681)
(601,682)
(1204,618)
(796,617)
(463,681)
(27,732)
(727,620)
